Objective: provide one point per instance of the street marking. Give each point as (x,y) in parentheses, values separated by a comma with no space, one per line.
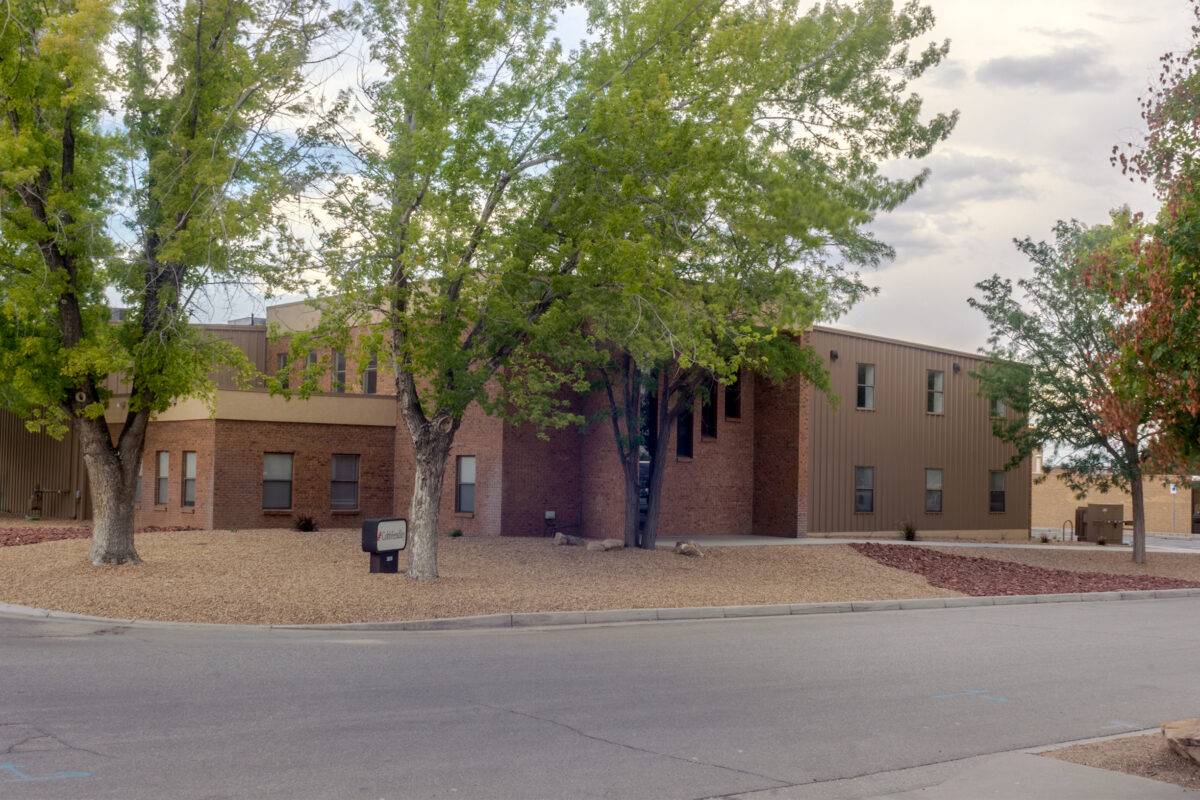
(15,769)
(980,693)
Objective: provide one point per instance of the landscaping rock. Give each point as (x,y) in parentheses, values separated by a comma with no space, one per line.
(1184,738)
(567,539)
(689,548)
(605,544)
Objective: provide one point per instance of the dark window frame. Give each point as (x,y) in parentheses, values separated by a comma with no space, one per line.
(864,396)
(337,480)
(281,369)
(934,495)
(708,414)
(864,490)
(277,482)
(188,483)
(733,399)
(464,492)
(137,489)
(935,398)
(338,381)
(996,408)
(370,376)
(162,472)
(997,498)
(684,431)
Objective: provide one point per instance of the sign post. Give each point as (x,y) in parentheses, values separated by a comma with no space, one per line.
(384,539)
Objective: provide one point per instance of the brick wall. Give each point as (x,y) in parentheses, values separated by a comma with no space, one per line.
(238,472)
(713,491)
(1054,503)
(781,456)
(385,380)
(541,475)
(602,481)
(175,438)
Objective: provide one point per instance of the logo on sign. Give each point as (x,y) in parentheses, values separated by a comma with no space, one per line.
(391,535)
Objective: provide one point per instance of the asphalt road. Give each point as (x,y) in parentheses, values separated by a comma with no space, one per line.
(659,710)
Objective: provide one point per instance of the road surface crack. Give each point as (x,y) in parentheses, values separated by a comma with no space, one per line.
(36,739)
(692,761)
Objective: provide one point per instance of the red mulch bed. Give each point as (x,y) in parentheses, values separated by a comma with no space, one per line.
(37,535)
(983,577)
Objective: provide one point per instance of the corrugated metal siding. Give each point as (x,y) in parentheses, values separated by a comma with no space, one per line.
(901,440)
(251,339)
(29,460)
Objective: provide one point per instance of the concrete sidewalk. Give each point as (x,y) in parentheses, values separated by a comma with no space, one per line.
(1153,544)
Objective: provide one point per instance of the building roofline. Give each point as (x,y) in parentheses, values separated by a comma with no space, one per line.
(899,342)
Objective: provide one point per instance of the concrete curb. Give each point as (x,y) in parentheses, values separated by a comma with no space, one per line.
(608,617)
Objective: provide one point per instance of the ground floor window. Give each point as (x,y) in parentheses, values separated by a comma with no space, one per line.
(464,496)
(343,491)
(864,489)
(277,480)
(160,478)
(683,436)
(995,491)
(933,490)
(189,477)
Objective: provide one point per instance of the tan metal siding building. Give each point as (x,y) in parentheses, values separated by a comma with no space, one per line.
(900,439)
(34,460)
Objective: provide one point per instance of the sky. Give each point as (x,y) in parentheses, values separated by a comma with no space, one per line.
(1044,88)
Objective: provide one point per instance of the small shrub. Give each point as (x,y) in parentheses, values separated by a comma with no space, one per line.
(1045,539)
(305,523)
(456,532)
(909,531)
(1100,540)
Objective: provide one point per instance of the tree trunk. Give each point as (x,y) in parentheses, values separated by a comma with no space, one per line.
(632,513)
(1139,518)
(112,475)
(658,458)
(431,446)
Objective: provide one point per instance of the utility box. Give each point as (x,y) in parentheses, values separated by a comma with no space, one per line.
(1097,521)
(384,539)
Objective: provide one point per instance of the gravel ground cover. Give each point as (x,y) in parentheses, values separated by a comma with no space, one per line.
(985,577)
(282,576)
(33,533)
(1146,756)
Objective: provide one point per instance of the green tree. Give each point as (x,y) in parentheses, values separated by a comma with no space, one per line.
(504,190)
(192,171)
(1048,356)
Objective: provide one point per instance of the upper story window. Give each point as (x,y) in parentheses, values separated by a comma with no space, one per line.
(935,391)
(733,400)
(996,491)
(369,376)
(281,369)
(708,414)
(866,386)
(996,408)
(339,371)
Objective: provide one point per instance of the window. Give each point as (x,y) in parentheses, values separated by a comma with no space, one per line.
(277,480)
(137,490)
(733,400)
(933,491)
(864,489)
(996,408)
(343,489)
(160,478)
(339,371)
(708,414)
(281,369)
(996,491)
(464,496)
(189,477)
(369,376)
(866,386)
(683,436)
(935,391)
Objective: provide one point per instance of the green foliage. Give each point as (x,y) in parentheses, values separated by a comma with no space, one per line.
(1048,353)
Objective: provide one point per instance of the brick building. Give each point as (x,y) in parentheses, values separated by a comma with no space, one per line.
(911,443)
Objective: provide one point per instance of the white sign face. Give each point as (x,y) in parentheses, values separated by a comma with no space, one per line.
(1174,488)
(391,534)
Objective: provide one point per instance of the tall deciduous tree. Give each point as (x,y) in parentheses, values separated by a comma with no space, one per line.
(1157,287)
(1048,361)
(505,190)
(193,171)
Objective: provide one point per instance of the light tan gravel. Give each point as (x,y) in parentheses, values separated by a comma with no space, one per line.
(282,576)
(1146,756)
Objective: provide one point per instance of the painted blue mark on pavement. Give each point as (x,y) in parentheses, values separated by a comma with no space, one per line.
(980,693)
(15,769)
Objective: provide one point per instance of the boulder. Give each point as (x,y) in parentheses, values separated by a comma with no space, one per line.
(605,544)
(688,548)
(1183,736)
(567,539)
